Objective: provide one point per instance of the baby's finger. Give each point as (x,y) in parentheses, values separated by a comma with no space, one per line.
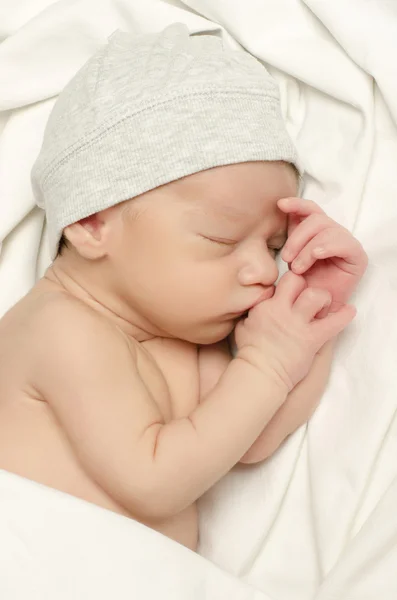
(302,235)
(293,222)
(289,287)
(333,242)
(311,301)
(333,323)
(299,206)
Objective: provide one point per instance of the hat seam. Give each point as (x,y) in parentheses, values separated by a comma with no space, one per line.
(107,126)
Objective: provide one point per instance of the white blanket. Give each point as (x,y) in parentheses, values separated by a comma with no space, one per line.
(318,520)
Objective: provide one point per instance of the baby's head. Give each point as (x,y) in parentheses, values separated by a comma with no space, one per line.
(162,164)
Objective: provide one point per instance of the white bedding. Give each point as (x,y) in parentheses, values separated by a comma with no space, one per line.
(319,520)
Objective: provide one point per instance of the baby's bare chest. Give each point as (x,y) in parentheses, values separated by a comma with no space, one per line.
(170,371)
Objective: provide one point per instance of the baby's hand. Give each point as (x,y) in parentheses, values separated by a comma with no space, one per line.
(326,254)
(281,336)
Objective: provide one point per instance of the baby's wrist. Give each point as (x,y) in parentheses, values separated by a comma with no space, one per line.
(263,373)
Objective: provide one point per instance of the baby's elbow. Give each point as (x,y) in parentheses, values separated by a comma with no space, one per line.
(260,451)
(159,505)
(152,501)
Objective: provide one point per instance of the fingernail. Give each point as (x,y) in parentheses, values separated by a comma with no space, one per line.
(297,264)
(319,251)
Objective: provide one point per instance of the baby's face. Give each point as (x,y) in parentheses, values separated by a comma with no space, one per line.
(197,253)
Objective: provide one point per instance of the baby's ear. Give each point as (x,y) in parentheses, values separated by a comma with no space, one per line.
(88,237)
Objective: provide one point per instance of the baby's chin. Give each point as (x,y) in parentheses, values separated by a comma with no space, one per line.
(210,333)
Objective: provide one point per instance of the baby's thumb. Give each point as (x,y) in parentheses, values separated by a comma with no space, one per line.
(335,322)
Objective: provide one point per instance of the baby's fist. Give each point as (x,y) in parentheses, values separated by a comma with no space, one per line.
(326,254)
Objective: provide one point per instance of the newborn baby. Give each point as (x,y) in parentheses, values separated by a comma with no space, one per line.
(168,177)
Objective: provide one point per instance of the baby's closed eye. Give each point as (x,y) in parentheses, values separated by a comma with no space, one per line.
(220,240)
(275,250)
(274,247)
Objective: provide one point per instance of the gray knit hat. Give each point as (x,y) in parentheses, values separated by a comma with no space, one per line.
(146,110)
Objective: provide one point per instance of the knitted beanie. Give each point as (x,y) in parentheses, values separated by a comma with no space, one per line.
(148,109)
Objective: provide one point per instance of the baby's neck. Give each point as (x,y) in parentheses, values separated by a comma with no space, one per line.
(93,289)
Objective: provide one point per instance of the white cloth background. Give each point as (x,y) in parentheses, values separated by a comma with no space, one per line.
(319,520)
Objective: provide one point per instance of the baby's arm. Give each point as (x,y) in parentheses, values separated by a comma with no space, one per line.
(296,410)
(300,405)
(328,257)
(89,372)
(152,468)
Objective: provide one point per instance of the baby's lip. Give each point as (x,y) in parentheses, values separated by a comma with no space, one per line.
(265,295)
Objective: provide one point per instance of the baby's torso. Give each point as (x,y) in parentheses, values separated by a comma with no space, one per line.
(33,444)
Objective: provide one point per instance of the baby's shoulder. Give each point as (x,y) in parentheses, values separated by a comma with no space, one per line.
(74,340)
(48,334)
(41,314)
(65,326)
(59,312)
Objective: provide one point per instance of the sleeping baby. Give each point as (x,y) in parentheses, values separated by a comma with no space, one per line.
(169,184)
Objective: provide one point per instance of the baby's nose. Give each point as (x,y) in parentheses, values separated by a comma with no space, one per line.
(260,269)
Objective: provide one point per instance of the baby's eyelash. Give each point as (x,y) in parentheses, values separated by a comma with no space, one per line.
(222,241)
(276,250)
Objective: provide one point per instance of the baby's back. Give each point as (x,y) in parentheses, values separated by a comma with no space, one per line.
(33,443)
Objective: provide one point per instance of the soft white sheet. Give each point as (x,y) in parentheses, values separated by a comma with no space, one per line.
(319,520)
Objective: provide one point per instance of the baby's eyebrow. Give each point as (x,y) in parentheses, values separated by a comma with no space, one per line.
(228,213)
